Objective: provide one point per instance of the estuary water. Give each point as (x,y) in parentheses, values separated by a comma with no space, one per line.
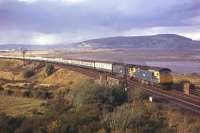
(177,66)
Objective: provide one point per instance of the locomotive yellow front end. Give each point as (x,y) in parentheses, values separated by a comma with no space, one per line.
(162,76)
(131,71)
(165,77)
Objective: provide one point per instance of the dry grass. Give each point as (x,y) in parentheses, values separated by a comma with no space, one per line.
(10,63)
(28,53)
(40,76)
(10,76)
(62,76)
(193,78)
(7,75)
(182,119)
(16,106)
(9,69)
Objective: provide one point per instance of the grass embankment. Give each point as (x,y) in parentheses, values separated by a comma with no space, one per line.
(10,69)
(13,71)
(61,76)
(15,106)
(7,75)
(10,63)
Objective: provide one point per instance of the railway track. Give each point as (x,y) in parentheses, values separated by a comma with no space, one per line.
(187,102)
(191,103)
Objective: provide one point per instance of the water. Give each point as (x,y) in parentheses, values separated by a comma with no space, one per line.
(177,66)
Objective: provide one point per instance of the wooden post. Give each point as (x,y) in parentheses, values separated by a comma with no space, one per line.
(186,87)
(151,99)
(23,53)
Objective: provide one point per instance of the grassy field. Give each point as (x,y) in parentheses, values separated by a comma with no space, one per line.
(16,106)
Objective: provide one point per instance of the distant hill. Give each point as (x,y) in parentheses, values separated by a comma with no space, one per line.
(161,41)
(30,47)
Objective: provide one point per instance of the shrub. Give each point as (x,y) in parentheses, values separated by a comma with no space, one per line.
(28,73)
(1,88)
(66,128)
(136,94)
(27,93)
(9,124)
(54,126)
(88,92)
(59,104)
(32,125)
(118,96)
(193,128)
(43,93)
(49,69)
(9,92)
(84,93)
(136,118)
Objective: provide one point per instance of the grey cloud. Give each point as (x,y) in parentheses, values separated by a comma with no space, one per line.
(108,17)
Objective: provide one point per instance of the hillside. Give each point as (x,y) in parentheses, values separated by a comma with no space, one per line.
(29,47)
(26,96)
(161,41)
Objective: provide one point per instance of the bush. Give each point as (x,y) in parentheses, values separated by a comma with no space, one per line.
(135,118)
(1,88)
(59,104)
(118,96)
(88,92)
(49,69)
(43,93)
(32,125)
(136,94)
(28,73)
(193,128)
(84,93)
(9,92)
(9,124)
(27,93)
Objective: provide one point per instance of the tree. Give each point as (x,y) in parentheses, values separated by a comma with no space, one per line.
(28,73)
(49,69)
(118,97)
(138,117)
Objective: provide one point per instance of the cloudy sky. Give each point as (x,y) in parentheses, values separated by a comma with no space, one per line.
(66,21)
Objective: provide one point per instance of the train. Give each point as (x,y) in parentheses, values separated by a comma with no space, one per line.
(145,74)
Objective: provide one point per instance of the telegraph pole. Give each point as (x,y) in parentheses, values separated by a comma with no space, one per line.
(23,54)
(126,82)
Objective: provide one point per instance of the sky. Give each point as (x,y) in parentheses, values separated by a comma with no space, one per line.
(50,22)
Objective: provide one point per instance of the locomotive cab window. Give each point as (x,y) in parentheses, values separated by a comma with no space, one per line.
(156,74)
